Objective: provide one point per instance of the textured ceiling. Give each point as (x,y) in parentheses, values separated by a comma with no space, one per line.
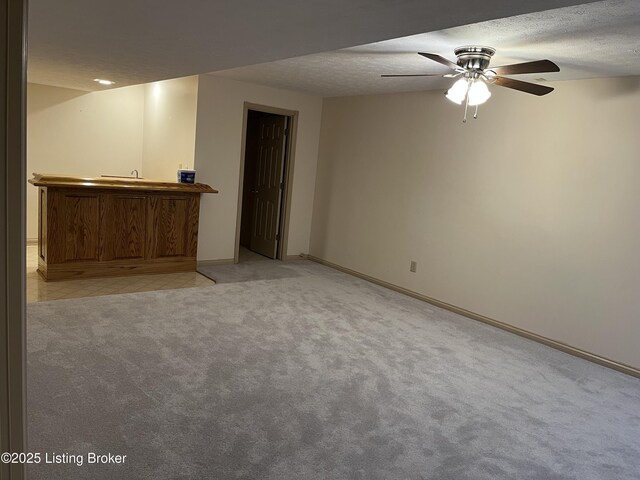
(71,42)
(586,41)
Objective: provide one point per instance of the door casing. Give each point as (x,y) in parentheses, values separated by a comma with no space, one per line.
(13,81)
(285,208)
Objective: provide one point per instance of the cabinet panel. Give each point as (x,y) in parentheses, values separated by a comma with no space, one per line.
(169,226)
(193,215)
(80,227)
(124,226)
(131,226)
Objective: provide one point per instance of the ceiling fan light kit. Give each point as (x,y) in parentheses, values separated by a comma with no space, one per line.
(478,93)
(458,92)
(472,65)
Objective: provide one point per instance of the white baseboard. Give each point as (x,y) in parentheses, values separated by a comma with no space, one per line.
(296,257)
(563,347)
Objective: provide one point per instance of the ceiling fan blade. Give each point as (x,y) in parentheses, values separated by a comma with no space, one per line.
(526,87)
(440,59)
(413,75)
(539,66)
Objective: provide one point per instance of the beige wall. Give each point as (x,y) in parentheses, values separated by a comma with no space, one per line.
(169,127)
(218,157)
(79,133)
(528,215)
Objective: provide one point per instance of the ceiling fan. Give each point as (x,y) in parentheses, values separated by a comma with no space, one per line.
(472,68)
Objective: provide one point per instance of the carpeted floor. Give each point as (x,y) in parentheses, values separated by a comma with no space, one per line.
(317,376)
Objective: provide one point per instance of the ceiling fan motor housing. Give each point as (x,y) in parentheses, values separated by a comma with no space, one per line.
(473,57)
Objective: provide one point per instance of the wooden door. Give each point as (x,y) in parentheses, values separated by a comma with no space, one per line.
(267,188)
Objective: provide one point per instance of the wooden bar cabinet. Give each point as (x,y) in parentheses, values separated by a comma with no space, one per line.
(91,227)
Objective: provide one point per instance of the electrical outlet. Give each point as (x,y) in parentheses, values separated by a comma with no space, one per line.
(413,266)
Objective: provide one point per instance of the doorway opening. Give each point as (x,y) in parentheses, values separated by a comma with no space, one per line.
(264,193)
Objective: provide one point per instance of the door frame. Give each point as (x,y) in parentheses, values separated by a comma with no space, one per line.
(13,81)
(285,207)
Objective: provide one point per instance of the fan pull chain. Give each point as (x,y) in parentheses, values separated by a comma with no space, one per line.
(475,115)
(466,105)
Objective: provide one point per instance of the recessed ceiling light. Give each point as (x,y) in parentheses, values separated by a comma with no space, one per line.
(102,81)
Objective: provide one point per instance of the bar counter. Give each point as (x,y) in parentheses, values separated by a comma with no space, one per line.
(112,226)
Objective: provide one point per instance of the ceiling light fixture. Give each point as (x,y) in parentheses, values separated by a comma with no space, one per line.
(478,93)
(472,67)
(470,89)
(458,92)
(102,81)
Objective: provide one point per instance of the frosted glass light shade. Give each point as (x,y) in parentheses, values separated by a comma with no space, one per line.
(478,93)
(458,91)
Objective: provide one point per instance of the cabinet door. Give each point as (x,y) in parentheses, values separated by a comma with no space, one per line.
(173,224)
(73,220)
(123,226)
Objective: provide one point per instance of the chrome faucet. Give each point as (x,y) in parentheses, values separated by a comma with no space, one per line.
(136,172)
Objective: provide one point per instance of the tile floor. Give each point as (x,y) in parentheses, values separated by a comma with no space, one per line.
(40,291)
(246,255)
